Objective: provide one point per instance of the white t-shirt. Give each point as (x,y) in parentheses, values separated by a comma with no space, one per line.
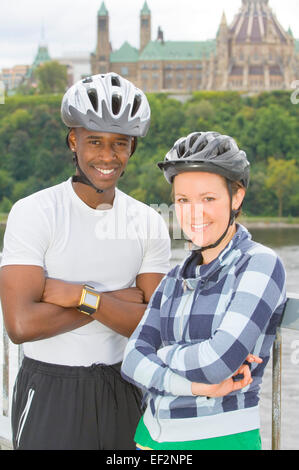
(107,249)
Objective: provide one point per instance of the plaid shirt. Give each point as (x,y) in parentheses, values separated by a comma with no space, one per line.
(200,325)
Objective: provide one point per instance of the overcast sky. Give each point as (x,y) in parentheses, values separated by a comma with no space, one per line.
(70,25)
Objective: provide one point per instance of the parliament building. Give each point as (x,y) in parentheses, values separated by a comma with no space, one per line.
(253,54)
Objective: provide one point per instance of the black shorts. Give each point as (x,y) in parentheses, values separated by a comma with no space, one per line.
(73,408)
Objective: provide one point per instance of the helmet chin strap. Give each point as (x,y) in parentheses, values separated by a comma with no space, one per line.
(82,178)
(214,245)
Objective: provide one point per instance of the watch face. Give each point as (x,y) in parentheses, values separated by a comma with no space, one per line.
(91,299)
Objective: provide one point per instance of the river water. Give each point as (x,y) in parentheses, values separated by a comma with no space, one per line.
(285,241)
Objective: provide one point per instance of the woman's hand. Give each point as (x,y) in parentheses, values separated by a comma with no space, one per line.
(251,358)
(228,385)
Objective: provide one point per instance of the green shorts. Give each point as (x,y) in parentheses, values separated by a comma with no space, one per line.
(250,440)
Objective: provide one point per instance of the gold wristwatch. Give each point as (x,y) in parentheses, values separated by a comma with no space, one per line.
(89,301)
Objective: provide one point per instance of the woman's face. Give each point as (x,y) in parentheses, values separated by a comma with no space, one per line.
(202,205)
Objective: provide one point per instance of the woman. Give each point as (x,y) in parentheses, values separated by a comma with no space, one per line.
(208,314)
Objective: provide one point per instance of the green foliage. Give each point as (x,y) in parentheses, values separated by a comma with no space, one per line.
(5,205)
(33,154)
(6,184)
(283,179)
(52,77)
(259,201)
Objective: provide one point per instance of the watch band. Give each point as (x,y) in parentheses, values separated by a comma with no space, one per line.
(85,306)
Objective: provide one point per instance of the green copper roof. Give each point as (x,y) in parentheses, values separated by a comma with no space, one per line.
(103,10)
(145,9)
(41,56)
(177,50)
(126,53)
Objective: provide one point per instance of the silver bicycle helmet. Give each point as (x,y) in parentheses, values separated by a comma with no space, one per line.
(209,152)
(106,103)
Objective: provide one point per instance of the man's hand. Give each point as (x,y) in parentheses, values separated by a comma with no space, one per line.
(228,385)
(131,294)
(130,303)
(64,294)
(67,294)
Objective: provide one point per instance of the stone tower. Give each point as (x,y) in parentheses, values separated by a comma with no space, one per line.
(223,51)
(100,60)
(145,26)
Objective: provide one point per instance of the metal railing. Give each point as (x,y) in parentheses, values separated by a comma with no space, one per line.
(290,320)
(12,357)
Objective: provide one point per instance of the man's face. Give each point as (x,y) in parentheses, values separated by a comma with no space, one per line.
(102,156)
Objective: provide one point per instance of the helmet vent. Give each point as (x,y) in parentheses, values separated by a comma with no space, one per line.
(116,104)
(181,149)
(93,97)
(193,140)
(136,105)
(202,145)
(115,81)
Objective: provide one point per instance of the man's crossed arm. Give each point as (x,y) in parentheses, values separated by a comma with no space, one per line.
(36,308)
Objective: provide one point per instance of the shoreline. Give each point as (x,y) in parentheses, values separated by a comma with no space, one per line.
(265,225)
(260,224)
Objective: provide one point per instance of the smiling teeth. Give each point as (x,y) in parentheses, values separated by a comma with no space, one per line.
(200,226)
(105,172)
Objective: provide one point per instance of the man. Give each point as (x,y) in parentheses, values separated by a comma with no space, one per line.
(72,254)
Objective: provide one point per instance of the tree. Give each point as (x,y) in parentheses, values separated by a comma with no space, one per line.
(5,205)
(6,184)
(20,158)
(259,201)
(282,178)
(275,133)
(52,77)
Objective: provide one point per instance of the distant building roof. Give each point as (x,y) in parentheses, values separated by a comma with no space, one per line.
(126,53)
(145,9)
(41,57)
(177,50)
(254,21)
(103,10)
(290,32)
